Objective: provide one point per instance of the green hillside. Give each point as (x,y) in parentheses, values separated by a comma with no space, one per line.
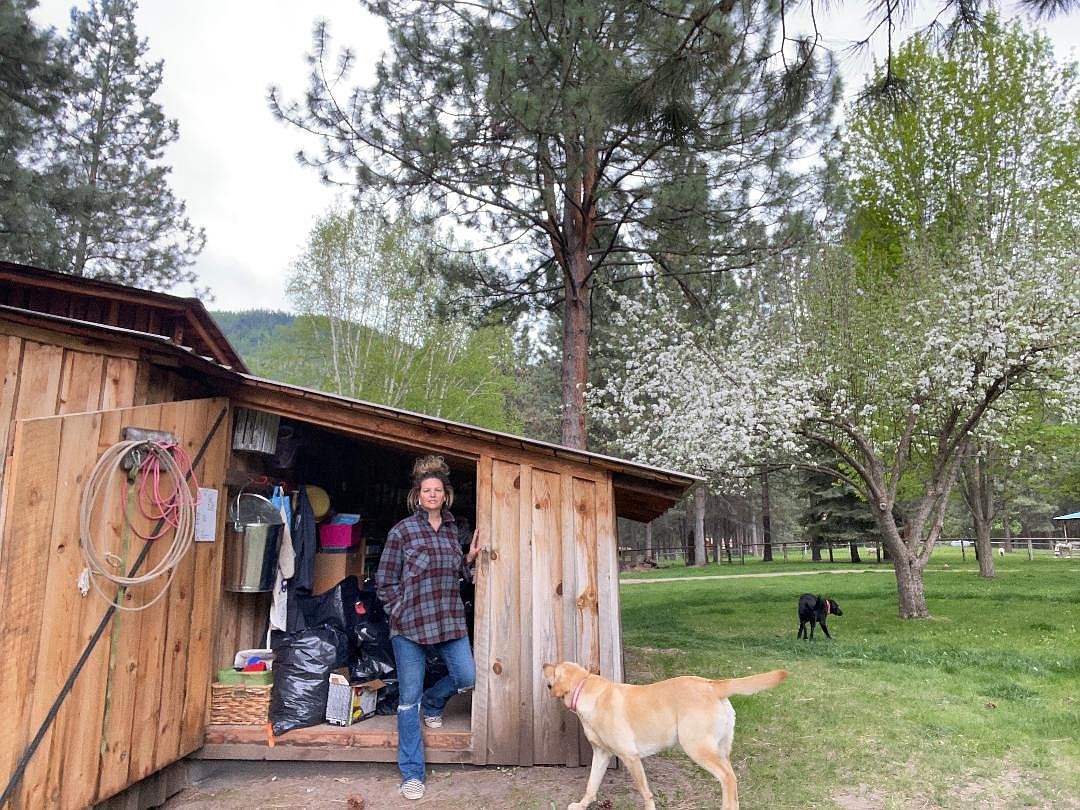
(249,329)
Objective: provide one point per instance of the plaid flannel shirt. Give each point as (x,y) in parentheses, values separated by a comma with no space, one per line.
(419,580)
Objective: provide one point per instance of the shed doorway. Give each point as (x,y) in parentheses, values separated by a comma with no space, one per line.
(359,476)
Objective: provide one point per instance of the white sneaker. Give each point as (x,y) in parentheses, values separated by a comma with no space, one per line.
(433,722)
(412,789)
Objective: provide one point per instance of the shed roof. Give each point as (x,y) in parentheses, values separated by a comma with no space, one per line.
(184,320)
(642,492)
(1072,516)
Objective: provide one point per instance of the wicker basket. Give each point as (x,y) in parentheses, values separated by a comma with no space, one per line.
(238,704)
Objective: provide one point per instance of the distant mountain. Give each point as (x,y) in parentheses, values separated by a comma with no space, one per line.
(248,330)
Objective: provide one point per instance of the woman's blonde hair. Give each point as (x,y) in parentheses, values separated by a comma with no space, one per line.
(429,467)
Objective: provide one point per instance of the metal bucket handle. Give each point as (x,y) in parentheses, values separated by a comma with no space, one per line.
(237,525)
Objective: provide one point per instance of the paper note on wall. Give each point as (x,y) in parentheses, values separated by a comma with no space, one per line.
(206,515)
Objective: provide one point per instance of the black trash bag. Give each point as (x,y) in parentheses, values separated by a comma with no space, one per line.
(372,661)
(373,654)
(303,662)
(336,607)
(370,624)
(387,701)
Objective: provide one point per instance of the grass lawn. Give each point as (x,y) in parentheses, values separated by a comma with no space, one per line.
(977,707)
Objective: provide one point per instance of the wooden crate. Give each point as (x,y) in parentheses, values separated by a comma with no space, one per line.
(239,704)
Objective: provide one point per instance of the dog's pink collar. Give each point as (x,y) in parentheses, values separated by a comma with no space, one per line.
(828,607)
(576,694)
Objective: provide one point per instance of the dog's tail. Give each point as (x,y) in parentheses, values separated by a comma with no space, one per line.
(749,685)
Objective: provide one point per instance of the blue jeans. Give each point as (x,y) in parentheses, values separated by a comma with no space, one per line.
(410,658)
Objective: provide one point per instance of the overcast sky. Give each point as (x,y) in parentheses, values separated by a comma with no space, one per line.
(234,165)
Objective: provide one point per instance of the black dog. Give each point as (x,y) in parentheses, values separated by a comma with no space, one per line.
(815,609)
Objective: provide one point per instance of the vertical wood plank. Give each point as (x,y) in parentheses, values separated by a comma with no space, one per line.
(39,380)
(153,638)
(10,360)
(568,637)
(134,678)
(81,763)
(585,609)
(81,382)
(482,614)
(187,426)
(549,724)
(607,577)
(62,641)
(206,589)
(502,609)
(118,390)
(226,635)
(586,565)
(525,665)
(23,571)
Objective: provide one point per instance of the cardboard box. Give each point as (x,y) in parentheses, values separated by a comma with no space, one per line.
(331,568)
(348,703)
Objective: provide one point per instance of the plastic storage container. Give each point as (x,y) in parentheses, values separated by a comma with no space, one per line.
(341,533)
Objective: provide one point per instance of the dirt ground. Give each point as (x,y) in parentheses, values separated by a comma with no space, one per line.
(373,786)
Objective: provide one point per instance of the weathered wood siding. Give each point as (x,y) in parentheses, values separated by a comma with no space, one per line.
(545,595)
(242,623)
(44,374)
(140,702)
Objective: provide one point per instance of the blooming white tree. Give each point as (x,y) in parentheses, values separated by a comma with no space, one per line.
(954,296)
(713,398)
(891,375)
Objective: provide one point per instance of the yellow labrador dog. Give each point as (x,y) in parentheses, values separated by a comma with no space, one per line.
(632,722)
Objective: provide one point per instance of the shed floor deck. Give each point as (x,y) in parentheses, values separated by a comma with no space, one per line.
(371,740)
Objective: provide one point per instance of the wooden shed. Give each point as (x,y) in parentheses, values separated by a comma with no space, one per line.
(101,699)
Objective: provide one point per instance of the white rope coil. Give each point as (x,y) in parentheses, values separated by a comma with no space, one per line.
(101,488)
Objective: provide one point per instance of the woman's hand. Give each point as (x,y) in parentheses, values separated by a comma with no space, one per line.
(474,548)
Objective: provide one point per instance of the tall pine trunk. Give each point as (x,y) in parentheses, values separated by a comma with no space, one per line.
(577,322)
(78,264)
(578,225)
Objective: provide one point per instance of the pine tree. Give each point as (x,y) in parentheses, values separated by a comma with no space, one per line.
(594,140)
(32,79)
(121,220)
(833,514)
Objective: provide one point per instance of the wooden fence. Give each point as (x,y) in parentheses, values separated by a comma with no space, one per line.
(724,553)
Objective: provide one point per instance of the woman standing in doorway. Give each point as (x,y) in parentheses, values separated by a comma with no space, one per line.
(419,584)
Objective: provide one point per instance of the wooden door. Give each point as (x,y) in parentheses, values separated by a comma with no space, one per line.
(548,593)
(139,699)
